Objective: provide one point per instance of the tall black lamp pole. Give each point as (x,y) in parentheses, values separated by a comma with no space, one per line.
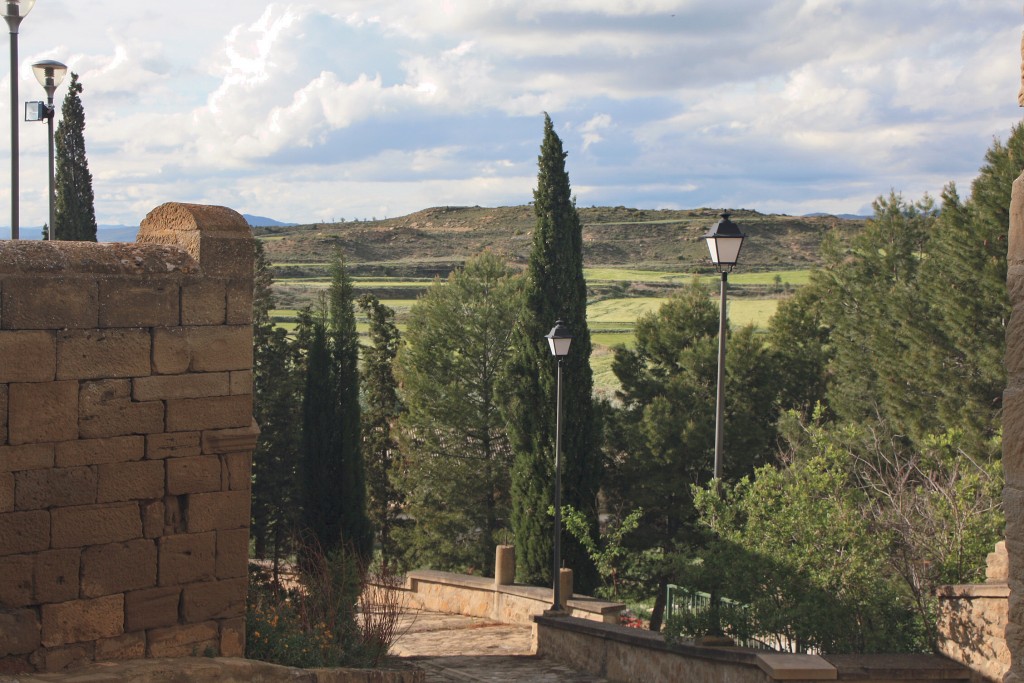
(14,13)
(559,340)
(724,242)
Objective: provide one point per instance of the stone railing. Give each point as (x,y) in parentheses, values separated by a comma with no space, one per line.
(126,438)
(623,655)
(499,599)
(973,618)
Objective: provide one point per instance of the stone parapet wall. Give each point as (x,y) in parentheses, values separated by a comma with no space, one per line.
(478,596)
(126,439)
(972,621)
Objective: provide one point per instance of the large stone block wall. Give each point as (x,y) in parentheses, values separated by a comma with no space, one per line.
(1013,435)
(126,440)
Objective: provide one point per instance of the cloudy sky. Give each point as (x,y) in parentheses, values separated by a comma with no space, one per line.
(307,111)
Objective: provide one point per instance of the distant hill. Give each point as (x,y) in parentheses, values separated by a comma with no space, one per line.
(263,221)
(433,241)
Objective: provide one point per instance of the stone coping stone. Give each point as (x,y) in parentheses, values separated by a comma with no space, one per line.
(217,670)
(904,667)
(794,667)
(582,603)
(23,257)
(970,591)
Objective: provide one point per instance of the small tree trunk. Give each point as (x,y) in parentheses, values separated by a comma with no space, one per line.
(658,613)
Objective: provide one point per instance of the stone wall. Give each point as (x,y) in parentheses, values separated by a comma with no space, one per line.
(1013,435)
(126,440)
(972,621)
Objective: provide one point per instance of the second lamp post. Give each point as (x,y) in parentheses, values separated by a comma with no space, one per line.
(724,242)
(50,73)
(559,339)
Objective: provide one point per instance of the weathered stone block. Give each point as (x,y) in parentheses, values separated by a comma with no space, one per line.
(16,581)
(152,518)
(28,457)
(122,481)
(76,527)
(24,532)
(3,416)
(203,303)
(128,646)
(64,657)
(214,600)
(46,411)
(232,638)
(232,553)
(216,511)
(6,492)
(221,441)
(118,567)
(171,354)
(82,620)
(101,451)
(219,412)
(107,410)
(183,641)
(240,302)
(19,632)
(131,303)
(151,608)
(30,356)
(40,489)
(221,348)
(1015,241)
(102,354)
(53,303)
(191,385)
(241,382)
(237,471)
(56,575)
(199,474)
(172,445)
(187,558)
(202,349)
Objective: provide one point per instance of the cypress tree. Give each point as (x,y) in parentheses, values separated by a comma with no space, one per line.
(75,215)
(382,408)
(275,407)
(334,483)
(555,290)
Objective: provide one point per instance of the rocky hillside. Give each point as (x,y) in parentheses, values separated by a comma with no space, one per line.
(435,240)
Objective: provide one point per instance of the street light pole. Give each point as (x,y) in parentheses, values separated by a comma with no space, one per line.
(724,241)
(559,340)
(50,73)
(15,12)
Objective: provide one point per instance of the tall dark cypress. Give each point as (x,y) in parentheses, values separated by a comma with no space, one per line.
(75,214)
(555,290)
(334,483)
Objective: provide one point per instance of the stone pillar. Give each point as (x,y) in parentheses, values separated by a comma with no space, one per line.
(505,565)
(565,585)
(1013,435)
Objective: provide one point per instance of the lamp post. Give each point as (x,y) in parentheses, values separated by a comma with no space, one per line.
(50,73)
(559,340)
(724,242)
(15,11)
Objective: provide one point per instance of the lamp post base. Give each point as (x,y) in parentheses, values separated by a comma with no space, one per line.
(552,612)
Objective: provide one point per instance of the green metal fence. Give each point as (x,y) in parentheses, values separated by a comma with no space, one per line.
(680,599)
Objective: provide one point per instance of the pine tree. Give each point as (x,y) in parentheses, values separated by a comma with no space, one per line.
(454,473)
(555,290)
(333,479)
(75,214)
(382,408)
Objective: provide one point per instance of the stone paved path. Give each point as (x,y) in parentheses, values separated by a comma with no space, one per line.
(456,649)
